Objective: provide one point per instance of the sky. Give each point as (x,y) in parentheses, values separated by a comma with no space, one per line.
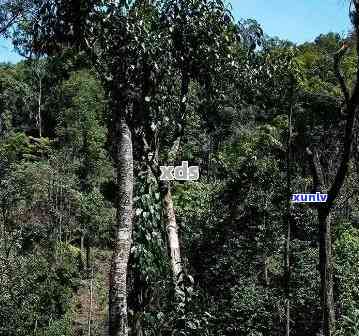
(294,20)
(7,53)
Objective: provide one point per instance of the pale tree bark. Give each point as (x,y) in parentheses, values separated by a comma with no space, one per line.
(118,325)
(152,156)
(82,244)
(169,217)
(170,222)
(39,71)
(165,190)
(172,234)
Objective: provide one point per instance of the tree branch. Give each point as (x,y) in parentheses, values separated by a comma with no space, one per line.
(351,111)
(347,151)
(6,26)
(150,156)
(338,56)
(95,61)
(315,169)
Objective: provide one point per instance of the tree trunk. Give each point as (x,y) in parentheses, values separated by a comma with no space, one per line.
(89,322)
(287,278)
(265,270)
(88,255)
(165,187)
(82,239)
(139,331)
(82,247)
(288,229)
(123,156)
(172,234)
(326,272)
(39,121)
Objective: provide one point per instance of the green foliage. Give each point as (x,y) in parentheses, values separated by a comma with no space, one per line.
(148,239)
(177,71)
(17,146)
(347,252)
(36,290)
(62,327)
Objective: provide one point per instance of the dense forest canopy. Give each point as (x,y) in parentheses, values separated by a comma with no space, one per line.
(94,241)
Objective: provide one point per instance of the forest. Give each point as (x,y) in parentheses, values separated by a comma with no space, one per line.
(109,96)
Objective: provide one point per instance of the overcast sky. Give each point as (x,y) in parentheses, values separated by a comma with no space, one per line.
(295,20)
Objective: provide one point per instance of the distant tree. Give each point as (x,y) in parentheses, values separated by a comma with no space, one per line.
(39,72)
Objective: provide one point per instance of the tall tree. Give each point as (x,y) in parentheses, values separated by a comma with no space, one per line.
(110,43)
(196,31)
(351,98)
(39,71)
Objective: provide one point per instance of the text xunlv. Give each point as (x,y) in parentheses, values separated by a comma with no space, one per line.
(309,198)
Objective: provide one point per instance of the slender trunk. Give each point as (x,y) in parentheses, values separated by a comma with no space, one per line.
(88,255)
(287,266)
(265,270)
(82,244)
(39,108)
(139,331)
(172,234)
(265,258)
(90,308)
(123,155)
(60,230)
(287,281)
(165,190)
(326,272)
(81,255)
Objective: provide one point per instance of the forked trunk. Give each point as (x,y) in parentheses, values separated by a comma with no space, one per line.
(118,325)
(165,189)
